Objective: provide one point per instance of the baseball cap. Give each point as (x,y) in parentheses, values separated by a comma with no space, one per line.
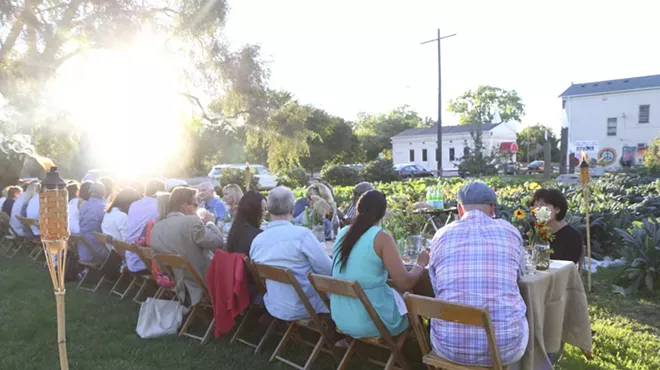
(476,192)
(362,188)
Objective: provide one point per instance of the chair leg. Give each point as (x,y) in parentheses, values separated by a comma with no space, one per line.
(347,355)
(269,331)
(207,335)
(239,329)
(138,295)
(287,335)
(396,357)
(315,353)
(189,320)
(12,252)
(80,286)
(101,280)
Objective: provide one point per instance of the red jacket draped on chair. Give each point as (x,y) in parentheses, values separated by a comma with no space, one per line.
(227,280)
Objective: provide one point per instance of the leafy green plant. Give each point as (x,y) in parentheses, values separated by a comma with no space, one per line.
(237,176)
(293,178)
(380,170)
(338,175)
(642,253)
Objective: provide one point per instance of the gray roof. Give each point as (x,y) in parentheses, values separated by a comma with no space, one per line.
(445,130)
(612,86)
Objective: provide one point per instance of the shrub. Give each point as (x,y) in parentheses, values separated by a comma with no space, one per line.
(340,175)
(293,178)
(642,254)
(237,176)
(380,170)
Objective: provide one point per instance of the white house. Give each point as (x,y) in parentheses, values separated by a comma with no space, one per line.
(613,120)
(418,145)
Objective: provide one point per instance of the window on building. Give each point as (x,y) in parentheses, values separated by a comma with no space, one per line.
(424,155)
(452,154)
(412,155)
(644,113)
(611,126)
(466,151)
(563,104)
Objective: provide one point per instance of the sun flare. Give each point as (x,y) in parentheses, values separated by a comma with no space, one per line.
(127,102)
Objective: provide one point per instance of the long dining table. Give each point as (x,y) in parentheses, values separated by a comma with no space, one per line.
(557,311)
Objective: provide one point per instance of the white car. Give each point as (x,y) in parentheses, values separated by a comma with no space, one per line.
(267,180)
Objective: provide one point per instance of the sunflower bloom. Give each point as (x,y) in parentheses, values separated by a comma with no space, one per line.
(519,214)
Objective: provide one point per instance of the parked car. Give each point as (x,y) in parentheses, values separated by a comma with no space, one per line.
(267,180)
(508,168)
(536,167)
(412,171)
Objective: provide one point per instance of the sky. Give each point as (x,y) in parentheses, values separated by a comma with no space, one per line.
(351,56)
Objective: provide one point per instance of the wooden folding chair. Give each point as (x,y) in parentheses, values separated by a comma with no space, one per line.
(143,281)
(436,309)
(15,242)
(175,261)
(32,241)
(253,312)
(315,324)
(95,266)
(125,278)
(148,257)
(351,288)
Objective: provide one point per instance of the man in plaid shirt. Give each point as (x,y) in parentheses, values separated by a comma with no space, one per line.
(477,261)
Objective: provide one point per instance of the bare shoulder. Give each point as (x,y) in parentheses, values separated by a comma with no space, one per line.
(383,237)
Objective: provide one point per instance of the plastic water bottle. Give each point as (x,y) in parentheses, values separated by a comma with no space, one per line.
(429,196)
(441,200)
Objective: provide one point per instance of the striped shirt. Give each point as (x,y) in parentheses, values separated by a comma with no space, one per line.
(477,261)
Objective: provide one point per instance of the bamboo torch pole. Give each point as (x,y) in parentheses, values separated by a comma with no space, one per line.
(584,180)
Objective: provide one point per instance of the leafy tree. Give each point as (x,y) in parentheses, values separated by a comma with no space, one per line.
(340,175)
(375,131)
(237,176)
(652,156)
(58,141)
(295,177)
(334,141)
(379,170)
(479,107)
(533,137)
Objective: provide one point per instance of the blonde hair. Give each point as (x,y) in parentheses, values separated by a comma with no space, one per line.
(163,204)
(235,191)
(323,192)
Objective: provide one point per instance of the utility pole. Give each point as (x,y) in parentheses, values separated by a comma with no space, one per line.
(438,152)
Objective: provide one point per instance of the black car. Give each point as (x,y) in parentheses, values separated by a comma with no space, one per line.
(412,171)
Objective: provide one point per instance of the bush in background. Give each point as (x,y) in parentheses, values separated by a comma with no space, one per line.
(293,178)
(380,170)
(340,175)
(237,176)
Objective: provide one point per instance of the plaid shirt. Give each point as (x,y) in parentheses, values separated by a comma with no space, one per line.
(477,261)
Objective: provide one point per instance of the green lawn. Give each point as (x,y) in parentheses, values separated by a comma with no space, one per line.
(101,332)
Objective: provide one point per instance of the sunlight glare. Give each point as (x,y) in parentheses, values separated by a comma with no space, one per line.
(127,102)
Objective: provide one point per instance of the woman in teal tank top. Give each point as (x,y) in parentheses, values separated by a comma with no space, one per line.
(366,253)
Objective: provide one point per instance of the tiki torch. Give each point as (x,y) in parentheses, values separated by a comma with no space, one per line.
(248,176)
(53,224)
(584,180)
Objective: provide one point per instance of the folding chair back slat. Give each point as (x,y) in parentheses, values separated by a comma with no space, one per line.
(352,289)
(104,239)
(121,245)
(467,315)
(255,275)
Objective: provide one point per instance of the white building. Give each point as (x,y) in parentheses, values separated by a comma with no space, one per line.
(418,145)
(613,120)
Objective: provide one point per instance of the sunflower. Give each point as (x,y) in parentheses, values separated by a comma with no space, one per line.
(519,214)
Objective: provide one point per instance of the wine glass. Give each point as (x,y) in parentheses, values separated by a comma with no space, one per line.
(413,248)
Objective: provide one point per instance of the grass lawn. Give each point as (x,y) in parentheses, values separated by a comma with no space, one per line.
(101,332)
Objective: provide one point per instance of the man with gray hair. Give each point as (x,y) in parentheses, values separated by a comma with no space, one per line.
(476,261)
(91,217)
(359,189)
(285,245)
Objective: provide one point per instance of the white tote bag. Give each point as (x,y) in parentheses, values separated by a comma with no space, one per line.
(159,317)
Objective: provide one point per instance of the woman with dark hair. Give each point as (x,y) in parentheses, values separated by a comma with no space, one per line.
(115,220)
(366,253)
(567,244)
(247,220)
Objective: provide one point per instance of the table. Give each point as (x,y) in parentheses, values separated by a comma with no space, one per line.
(556,311)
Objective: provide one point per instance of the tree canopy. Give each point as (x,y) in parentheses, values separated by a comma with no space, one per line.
(534,138)
(376,130)
(482,104)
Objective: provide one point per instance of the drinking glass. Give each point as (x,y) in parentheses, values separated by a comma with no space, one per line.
(413,248)
(531,260)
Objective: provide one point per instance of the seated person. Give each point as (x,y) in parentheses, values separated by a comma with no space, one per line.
(20,208)
(140,213)
(231,195)
(32,212)
(114,222)
(366,253)
(91,218)
(567,244)
(210,202)
(476,261)
(317,205)
(184,233)
(351,211)
(285,245)
(13,192)
(247,223)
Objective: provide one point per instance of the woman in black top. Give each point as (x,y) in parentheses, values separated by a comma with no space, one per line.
(246,223)
(567,244)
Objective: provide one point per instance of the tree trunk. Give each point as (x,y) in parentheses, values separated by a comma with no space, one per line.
(563,150)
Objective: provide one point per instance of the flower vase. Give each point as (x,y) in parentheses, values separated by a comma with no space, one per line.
(543,252)
(319,232)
